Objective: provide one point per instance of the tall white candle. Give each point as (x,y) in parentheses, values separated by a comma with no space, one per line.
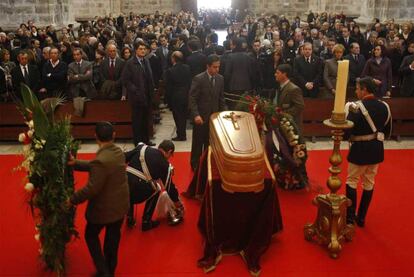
(341,85)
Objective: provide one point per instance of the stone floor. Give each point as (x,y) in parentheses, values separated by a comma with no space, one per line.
(166,130)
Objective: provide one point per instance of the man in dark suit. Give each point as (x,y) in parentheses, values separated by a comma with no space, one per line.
(240,71)
(111,70)
(308,72)
(356,63)
(108,199)
(346,40)
(290,97)
(269,34)
(197,60)
(80,77)
(407,74)
(182,45)
(213,47)
(25,73)
(137,79)
(178,81)
(54,75)
(206,97)
(163,51)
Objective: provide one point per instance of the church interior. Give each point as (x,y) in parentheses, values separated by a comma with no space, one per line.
(273,122)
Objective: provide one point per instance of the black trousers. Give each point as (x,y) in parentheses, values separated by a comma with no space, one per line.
(180,119)
(199,143)
(106,261)
(140,116)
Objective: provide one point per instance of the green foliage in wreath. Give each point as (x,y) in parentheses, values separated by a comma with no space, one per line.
(47,146)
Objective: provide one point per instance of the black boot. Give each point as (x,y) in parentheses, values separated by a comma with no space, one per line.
(363,207)
(351,194)
(147,222)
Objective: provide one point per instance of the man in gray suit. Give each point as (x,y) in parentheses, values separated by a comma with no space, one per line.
(111,69)
(206,98)
(107,193)
(80,77)
(290,97)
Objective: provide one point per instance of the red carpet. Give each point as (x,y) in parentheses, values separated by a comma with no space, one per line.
(382,248)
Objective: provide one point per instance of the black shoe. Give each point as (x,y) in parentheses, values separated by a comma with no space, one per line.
(360,222)
(131,222)
(300,185)
(178,139)
(148,225)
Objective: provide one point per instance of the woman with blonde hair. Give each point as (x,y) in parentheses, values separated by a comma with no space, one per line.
(330,72)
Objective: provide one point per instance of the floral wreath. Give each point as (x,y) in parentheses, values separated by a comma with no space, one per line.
(289,165)
(47,144)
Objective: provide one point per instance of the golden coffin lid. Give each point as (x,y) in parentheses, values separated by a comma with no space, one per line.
(238,151)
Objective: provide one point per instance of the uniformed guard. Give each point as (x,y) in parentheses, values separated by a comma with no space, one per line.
(149,173)
(372,123)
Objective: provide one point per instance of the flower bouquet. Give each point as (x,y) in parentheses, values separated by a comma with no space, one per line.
(285,146)
(47,144)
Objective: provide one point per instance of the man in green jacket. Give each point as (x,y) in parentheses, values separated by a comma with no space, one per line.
(108,199)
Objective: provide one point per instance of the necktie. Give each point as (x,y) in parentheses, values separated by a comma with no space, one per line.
(112,70)
(142,63)
(26,76)
(212,81)
(308,60)
(346,40)
(79,68)
(356,58)
(165,51)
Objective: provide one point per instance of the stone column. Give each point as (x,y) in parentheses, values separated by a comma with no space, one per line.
(367,13)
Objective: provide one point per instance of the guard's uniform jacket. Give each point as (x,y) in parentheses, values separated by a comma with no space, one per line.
(158,168)
(367,147)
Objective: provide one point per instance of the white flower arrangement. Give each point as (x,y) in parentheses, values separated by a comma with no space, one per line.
(30,124)
(22,137)
(30,133)
(29,187)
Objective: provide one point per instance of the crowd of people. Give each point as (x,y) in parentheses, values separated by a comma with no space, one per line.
(48,61)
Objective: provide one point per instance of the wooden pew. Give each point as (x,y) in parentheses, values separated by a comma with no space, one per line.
(119,114)
(116,112)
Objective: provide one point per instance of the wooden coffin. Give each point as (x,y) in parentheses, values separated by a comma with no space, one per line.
(237,151)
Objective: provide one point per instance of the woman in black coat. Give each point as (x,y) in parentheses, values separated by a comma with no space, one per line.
(380,69)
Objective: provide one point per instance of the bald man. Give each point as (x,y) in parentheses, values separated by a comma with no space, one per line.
(111,70)
(178,83)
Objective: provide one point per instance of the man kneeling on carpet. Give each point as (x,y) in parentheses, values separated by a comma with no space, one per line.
(372,122)
(150,180)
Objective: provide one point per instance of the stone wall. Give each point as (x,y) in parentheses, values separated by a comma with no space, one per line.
(14,12)
(149,6)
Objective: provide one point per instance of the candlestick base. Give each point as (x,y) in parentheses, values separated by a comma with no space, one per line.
(330,226)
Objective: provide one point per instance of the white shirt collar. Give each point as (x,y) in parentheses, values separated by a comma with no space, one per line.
(54,64)
(22,68)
